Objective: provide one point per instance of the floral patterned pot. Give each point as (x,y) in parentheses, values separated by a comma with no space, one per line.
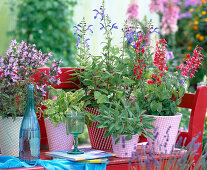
(165,133)
(9,136)
(58,139)
(125,148)
(96,135)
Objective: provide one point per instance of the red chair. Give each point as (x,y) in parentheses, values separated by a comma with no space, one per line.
(198,103)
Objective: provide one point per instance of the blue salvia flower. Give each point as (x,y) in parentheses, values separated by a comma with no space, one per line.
(97,12)
(155,30)
(77,44)
(102,13)
(102,26)
(86,43)
(182,80)
(90,28)
(137,36)
(141,32)
(114,26)
(129,37)
(77,29)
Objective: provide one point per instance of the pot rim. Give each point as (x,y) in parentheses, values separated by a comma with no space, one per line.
(178,114)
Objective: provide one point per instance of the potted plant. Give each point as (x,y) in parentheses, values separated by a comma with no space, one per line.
(125,122)
(108,77)
(17,67)
(162,92)
(55,117)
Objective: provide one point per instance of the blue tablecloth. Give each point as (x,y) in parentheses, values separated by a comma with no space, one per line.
(56,164)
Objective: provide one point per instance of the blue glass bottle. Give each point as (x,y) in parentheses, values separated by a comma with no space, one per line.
(29,138)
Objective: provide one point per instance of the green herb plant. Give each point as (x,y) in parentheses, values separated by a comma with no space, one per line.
(61,103)
(124,118)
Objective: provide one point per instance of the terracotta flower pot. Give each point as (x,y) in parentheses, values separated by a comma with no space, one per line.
(96,135)
(58,140)
(165,133)
(9,136)
(125,148)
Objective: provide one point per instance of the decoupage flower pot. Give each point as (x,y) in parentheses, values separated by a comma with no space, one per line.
(96,135)
(165,133)
(9,136)
(125,148)
(58,139)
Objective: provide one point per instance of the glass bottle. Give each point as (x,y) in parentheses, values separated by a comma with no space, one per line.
(29,138)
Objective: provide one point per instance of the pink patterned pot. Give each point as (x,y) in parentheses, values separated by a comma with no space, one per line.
(125,148)
(58,139)
(165,133)
(96,135)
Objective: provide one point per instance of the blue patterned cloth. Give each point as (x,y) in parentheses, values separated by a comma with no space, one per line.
(7,162)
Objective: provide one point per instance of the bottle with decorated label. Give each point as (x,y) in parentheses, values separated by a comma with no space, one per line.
(29,137)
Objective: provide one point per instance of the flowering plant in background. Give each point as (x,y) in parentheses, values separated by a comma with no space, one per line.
(132,10)
(170,12)
(17,67)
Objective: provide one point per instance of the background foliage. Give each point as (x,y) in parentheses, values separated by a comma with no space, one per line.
(48,25)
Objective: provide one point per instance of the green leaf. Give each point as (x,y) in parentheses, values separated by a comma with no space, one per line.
(101,98)
(153,105)
(117,140)
(107,134)
(128,137)
(128,82)
(159,107)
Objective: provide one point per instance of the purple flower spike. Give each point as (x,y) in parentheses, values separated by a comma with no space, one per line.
(89,28)
(86,43)
(102,26)
(97,12)
(169,55)
(114,26)
(77,29)
(184,15)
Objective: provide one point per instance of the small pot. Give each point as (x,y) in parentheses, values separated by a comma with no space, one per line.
(58,140)
(96,135)
(9,136)
(165,133)
(125,148)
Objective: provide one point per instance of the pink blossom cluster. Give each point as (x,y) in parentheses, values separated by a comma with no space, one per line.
(157,5)
(132,11)
(192,63)
(170,19)
(170,11)
(22,61)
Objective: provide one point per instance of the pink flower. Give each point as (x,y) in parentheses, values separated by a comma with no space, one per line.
(132,11)
(54,98)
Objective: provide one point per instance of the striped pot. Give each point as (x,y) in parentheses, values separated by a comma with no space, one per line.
(96,135)
(58,140)
(165,133)
(9,136)
(125,148)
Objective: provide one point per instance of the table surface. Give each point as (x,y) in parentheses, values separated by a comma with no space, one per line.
(142,155)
